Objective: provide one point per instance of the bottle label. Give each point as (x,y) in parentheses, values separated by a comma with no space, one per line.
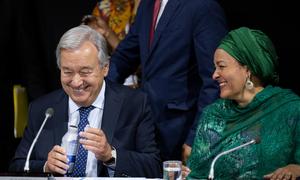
(71,154)
(72,147)
(70,144)
(71,162)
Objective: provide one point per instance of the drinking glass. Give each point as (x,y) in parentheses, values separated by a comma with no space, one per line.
(172,170)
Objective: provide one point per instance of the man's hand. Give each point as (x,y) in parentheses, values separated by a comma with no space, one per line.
(94,140)
(186,152)
(57,161)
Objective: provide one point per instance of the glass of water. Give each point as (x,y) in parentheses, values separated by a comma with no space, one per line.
(172,170)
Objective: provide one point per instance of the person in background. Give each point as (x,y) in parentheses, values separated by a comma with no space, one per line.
(115,17)
(118,140)
(173,41)
(112,18)
(252,106)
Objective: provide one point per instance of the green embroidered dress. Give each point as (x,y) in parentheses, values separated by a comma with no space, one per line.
(273,116)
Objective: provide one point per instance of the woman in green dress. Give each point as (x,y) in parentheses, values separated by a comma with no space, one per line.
(251,107)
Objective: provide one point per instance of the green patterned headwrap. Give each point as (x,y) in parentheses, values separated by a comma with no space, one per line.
(255,50)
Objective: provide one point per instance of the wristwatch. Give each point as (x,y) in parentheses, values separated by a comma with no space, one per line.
(112,160)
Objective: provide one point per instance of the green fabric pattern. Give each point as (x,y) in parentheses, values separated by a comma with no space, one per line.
(255,50)
(273,116)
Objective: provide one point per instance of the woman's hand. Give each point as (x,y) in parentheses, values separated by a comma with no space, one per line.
(186,152)
(291,171)
(99,24)
(185,171)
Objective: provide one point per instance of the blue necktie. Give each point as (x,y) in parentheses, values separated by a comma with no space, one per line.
(80,163)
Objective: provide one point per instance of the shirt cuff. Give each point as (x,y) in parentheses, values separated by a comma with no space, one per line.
(44,167)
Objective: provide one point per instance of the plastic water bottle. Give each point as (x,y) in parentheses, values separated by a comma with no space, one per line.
(70,144)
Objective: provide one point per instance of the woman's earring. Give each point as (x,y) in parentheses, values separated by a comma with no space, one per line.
(249,84)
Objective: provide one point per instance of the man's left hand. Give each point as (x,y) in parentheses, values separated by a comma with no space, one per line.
(94,140)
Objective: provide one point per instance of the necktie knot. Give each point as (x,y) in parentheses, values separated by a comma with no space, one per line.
(84,113)
(86,110)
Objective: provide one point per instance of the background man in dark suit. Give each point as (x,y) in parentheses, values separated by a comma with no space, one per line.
(125,143)
(176,65)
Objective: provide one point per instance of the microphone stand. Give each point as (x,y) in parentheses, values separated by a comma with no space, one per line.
(211,172)
(49,113)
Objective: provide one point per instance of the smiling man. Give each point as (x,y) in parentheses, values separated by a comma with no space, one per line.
(118,139)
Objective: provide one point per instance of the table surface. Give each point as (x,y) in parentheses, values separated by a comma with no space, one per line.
(68,178)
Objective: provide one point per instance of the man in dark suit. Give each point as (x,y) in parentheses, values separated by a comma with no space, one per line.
(120,140)
(176,65)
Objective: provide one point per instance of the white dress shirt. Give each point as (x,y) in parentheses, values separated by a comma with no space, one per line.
(95,121)
(161,10)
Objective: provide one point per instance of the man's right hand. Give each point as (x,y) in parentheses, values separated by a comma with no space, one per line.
(57,161)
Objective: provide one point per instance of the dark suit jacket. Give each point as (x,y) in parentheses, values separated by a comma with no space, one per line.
(127,123)
(177,68)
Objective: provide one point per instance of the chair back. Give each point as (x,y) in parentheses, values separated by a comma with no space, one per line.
(20,110)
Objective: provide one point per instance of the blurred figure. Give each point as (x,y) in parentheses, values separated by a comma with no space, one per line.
(251,107)
(117,139)
(112,18)
(173,41)
(116,15)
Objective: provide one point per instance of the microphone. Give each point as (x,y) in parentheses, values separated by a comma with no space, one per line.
(49,113)
(211,171)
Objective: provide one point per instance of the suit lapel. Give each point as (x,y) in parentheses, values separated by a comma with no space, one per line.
(61,116)
(112,108)
(167,15)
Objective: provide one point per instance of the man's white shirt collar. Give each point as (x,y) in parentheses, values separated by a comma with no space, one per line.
(98,103)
